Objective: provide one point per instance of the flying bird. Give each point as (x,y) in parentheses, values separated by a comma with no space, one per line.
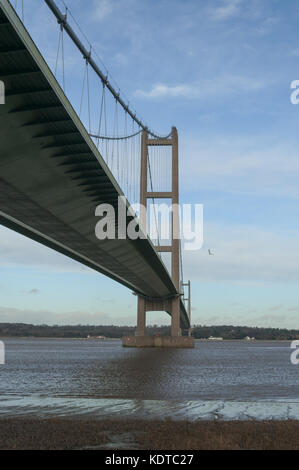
(210,253)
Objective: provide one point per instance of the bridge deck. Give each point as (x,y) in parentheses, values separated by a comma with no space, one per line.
(52,176)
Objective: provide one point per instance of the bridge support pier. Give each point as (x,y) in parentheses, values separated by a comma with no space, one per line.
(175,317)
(158,342)
(141,317)
(172,306)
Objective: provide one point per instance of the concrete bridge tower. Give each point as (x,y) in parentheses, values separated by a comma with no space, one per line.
(171,305)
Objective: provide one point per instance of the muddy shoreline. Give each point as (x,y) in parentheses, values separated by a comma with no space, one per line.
(70,433)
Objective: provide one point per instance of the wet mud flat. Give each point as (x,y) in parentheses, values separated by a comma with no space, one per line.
(65,433)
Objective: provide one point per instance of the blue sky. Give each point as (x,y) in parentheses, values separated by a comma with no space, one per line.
(220,71)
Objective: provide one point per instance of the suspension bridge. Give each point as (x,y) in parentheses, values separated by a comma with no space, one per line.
(58,162)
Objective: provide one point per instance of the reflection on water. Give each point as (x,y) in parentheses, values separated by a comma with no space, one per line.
(227,380)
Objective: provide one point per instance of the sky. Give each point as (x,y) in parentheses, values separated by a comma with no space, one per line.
(220,71)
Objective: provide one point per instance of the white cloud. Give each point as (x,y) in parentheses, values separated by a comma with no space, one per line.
(14,315)
(295,52)
(267,25)
(161,90)
(244,253)
(252,317)
(241,165)
(214,87)
(120,59)
(279,320)
(228,9)
(103,8)
(17,250)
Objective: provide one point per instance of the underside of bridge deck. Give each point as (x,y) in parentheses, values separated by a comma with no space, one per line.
(52,176)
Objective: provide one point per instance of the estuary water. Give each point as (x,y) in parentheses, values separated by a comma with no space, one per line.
(101,379)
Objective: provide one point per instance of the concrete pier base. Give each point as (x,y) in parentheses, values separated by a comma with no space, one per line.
(158,342)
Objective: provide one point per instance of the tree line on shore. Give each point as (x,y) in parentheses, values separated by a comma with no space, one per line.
(112,331)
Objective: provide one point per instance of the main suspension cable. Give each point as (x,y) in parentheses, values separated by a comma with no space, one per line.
(63,21)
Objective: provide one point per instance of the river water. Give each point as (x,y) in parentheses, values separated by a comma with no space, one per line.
(99,378)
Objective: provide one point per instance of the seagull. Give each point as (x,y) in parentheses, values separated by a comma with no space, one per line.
(210,253)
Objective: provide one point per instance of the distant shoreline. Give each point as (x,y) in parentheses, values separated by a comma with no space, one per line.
(206,340)
(58,337)
(199,332)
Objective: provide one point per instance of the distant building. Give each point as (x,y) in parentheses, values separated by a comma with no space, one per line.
(95,337)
